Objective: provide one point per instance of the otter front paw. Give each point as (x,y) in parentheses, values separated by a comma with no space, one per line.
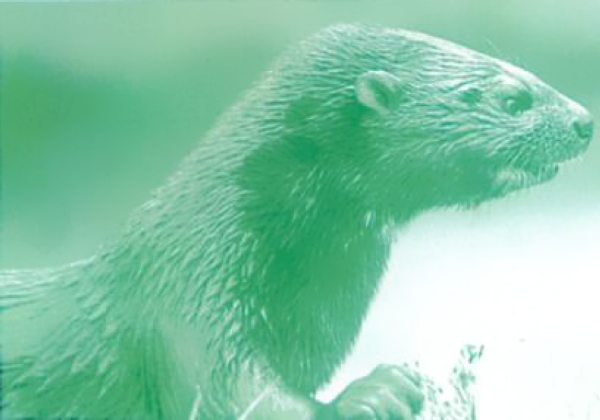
(388,392)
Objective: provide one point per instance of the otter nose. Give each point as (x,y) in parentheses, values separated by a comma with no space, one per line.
(584,127)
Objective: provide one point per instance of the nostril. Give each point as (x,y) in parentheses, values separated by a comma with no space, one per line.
(584,127)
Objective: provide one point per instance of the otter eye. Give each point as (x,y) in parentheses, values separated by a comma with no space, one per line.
(518,103)
(471,96)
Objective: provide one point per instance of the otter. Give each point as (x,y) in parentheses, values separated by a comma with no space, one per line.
(240,286)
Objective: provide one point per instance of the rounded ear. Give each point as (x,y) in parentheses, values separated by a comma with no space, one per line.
(377,90)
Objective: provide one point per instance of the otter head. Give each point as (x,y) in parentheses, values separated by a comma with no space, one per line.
(454,127)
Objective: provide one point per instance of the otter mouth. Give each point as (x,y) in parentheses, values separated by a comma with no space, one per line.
(514,178)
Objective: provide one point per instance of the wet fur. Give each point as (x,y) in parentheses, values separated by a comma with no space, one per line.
(263,251)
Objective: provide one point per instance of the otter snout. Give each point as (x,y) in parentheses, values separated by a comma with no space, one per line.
(584,126)
(582,122)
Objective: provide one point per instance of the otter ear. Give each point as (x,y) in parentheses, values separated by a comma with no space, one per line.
(377,90)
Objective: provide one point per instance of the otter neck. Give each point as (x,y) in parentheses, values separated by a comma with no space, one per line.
(322,254)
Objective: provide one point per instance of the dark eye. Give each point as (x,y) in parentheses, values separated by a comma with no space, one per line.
(471,96)
(518,103)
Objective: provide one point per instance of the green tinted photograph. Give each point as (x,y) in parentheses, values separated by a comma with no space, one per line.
(285,210)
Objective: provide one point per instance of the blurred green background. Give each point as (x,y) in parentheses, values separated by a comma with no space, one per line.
(99,103)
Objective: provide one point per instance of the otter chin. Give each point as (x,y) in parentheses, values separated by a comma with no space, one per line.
(511,179)
(239,288)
